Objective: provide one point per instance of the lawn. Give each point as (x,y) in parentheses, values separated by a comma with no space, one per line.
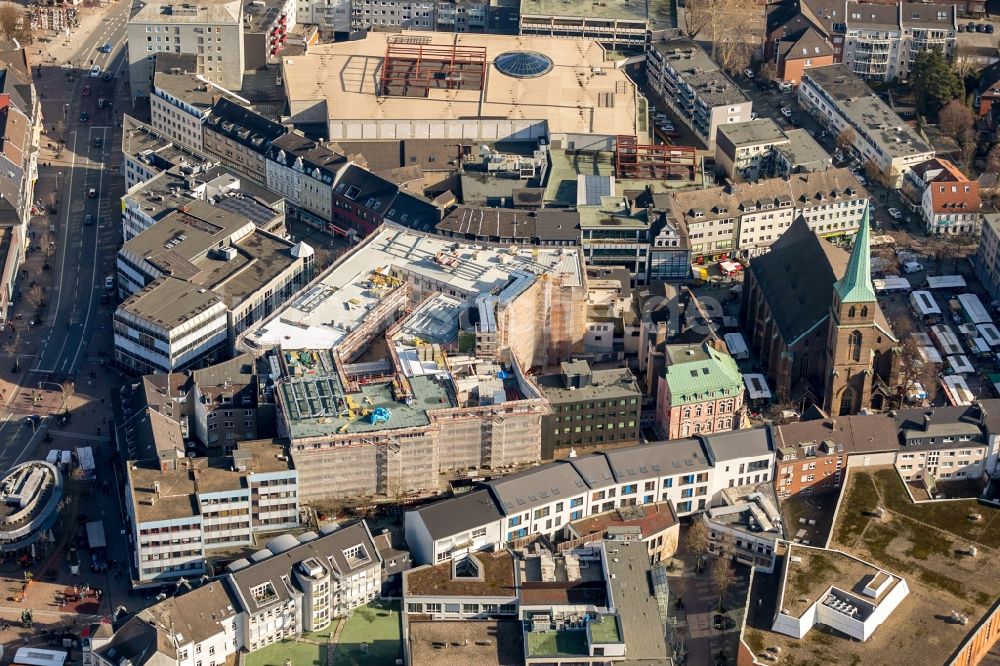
(300,654)
(379,628)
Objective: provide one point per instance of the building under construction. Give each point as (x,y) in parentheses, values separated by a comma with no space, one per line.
(407,360)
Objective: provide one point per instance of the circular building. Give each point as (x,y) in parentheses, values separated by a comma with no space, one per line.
(29,504)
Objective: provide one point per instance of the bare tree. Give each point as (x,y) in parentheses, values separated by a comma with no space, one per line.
(697,540)
(723,576)
(769,71)
(964,60)
(846,139)
(914,372)
(729,26)
(967,142)
(36,296)
(10,19)
(955,119)
(12,346)
(993,159)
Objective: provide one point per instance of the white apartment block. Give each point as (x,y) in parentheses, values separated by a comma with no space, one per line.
(686,78)
(298,585)
(987,258)
(304,172)
(690,473)
(342,17)
(178,514)
(211,31)
(840,100)
(882,41)
(746,218)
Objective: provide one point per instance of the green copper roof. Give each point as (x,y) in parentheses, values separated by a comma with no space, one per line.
(856,285)
(710,374)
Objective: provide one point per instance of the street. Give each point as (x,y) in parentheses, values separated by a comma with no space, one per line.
(61,344)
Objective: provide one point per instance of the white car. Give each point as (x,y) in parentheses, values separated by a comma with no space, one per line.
(748,73)
(786,112)
(785,86)
(95,71)
(912,267)
(896,213)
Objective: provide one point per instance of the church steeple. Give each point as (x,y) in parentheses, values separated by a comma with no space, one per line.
(856,284)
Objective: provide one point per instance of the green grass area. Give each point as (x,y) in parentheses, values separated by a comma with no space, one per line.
(606,631)
(557,642)
(301,654)
(951,516)
(821,567)
(376,624)
(855,510)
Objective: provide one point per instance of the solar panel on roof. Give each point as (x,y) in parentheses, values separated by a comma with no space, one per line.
(533,498)
(656,468)
(607,476)
(643,469)
(579,483)
(509,505)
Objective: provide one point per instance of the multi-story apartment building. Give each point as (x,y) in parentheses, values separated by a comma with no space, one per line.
(179,102)
(301,585)
(689,473)
(212,31)
(147,152)
(701,392)
(810,456)
(363,200)
(180,509)
(188,293)
(613,234)
(655,524)
(840,100)
(750,151)
(745,219)
(291,586)
(239,138)
(616,25)
(589,407)
(883,40)
(20,129)
(304,172)
(746,525)
(947,443)
(947,199)
(987,258)
(686,78)
(341,18)
(266,26)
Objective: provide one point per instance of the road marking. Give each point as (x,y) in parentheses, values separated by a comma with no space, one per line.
(97,244)
(80,435)
(30,446)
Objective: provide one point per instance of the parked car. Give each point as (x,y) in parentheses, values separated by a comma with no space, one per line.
(981,27)
(786,112)
(785,86)
(748,73)
(912,267)
(753,115)
(961,28)
(989,28)
(971,26)
(98,142)
(109,282)
(896,213)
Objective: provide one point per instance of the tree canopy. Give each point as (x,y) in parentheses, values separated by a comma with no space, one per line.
(935,83)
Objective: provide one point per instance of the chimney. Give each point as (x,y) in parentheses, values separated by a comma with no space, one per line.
(833,423)
(927,420)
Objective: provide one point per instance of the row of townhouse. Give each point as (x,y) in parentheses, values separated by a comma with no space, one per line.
(745,219)
(690,473)
(941,443)
(842,101)
(292,586)
(322,185)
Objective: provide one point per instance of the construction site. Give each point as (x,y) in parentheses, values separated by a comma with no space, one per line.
(410,358)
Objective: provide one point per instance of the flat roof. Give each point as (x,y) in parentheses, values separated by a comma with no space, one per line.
(338,301)
(176,75)
(482,642)
(803,151)
(635,592)
(697,69)
(814,570)
(496,578)
(571,97)
(166,12)
(867,110)
(611,383)
(170,301)
(621,10)
(752,132)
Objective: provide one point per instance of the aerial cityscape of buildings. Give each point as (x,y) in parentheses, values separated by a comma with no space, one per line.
(500,332)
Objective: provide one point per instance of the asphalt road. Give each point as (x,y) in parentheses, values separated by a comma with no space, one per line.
(84,254)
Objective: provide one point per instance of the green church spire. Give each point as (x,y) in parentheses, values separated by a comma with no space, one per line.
(856,285)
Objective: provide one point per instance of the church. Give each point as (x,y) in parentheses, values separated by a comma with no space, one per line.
(811,317)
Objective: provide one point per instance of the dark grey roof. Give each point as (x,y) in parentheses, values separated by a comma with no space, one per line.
(991,415)
(667,458)
(136,641)
(413,212)
(366,189)
(277,569)
(740,443)
(243,125)
(594,469)
(523,491)
(502,224)
(458,514)
(313,158)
